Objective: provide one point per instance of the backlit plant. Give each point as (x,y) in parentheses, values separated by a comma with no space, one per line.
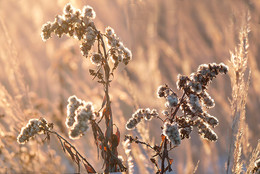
(193,105)
(81,115)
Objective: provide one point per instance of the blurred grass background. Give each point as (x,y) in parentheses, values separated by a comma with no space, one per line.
(166,38)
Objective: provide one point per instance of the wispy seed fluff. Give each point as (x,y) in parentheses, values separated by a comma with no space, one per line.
(140,114)
(73,104)
(211,120)
(195,87)
(181,81)
(88,11)
(207,101)
(170,96)
(73,23)
(171,132)
(84,114)
(33,127)
(119,53)
(96,59)
(79,113)
(194,103)
(171,100)
(205,131)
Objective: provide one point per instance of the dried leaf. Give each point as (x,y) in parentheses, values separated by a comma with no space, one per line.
(169,165)
(107,114)
(88,167)
(163,138)
(92,72)
(118,135)
(68,148)
(171,161)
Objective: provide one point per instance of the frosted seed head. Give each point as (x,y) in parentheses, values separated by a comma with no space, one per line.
(154,113)
(182,81)
(185,132)
(33,127)
(165,112)
(207,101)
(161,91)
(211,120)
(172,101)
(131,124)
(223,68)
(46,31)
(88,12)
(172,133)
(194,104)
(68,9)
(195,87)
(96,59)
(109,31)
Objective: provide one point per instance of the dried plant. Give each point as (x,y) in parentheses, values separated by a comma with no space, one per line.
(193,104)
(81,115)
(182,115)
(240,86)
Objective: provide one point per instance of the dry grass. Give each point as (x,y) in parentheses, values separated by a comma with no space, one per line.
(166,38)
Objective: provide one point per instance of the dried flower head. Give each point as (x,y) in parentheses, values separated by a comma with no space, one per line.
(74,23)
(119,53)
(194,101)
(205,131)
(96,58)
(140,114)
(80,114)
(33,127)
(73,104)
(88,12)
(171,131)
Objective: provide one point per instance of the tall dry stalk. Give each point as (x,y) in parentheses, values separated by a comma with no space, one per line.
(240,84)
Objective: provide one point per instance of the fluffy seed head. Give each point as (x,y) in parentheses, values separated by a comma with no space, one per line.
(96,59)
(88,12)
(172,133)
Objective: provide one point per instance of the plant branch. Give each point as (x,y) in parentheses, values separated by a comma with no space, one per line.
(77,152)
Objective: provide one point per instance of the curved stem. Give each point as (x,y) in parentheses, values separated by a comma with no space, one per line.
(77,152)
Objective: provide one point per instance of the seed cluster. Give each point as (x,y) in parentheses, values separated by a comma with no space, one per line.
(79,114)
(171,131)
(169,95)
(79,25)
(195,100)
(33,127)
(140,114)
(119,53)
(193,105)
(74,23)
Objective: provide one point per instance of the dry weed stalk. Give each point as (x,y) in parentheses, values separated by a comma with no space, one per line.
(193,104)
(240,84)
(81,115)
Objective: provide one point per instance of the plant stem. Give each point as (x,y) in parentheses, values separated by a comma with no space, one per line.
(60,137)
(164,155)
(177,108)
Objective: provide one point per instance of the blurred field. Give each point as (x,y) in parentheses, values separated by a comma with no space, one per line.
(166,38)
